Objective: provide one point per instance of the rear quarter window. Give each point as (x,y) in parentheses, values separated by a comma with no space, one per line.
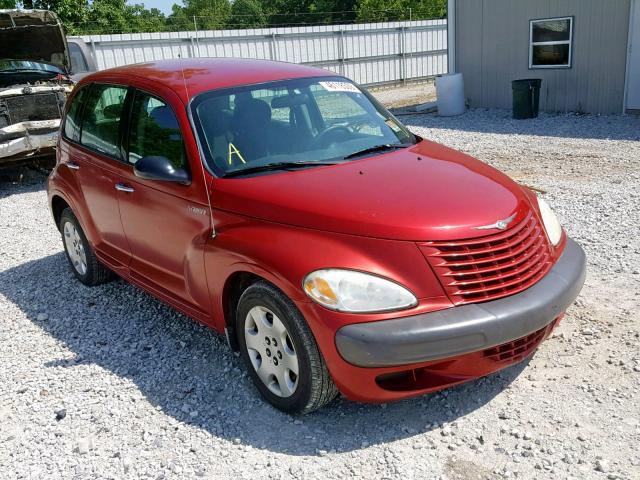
(101,119)
(72,120)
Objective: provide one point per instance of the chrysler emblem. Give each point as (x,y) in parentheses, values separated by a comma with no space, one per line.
(500,224)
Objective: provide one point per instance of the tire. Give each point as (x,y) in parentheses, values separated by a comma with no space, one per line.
(271,363)
(82,259)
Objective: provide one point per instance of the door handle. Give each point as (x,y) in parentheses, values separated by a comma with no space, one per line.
(123,188)
(73,165)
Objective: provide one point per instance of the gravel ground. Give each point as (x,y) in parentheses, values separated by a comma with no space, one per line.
(400,98)
(109,383)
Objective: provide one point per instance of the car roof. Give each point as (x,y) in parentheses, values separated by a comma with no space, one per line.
(190,76)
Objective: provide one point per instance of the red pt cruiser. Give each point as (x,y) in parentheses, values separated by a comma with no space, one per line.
(284,206)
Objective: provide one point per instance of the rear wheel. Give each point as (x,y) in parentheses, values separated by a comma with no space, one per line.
(82,260)
(280,352)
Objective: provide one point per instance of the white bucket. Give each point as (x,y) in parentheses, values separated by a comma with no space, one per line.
(450,91)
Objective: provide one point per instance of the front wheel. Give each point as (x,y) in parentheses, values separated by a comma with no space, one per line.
(280,352)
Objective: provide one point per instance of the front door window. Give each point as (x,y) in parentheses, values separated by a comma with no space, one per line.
(154,131)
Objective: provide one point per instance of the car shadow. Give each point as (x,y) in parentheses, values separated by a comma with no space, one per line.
(182,367)
(567,125)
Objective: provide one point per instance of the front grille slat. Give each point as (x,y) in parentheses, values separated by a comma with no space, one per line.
(491,267)
(497,237)
(508,263)
(521,267)
(479,260)
(501,284)
(492,246)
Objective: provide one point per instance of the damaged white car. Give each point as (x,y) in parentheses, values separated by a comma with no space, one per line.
(34,84)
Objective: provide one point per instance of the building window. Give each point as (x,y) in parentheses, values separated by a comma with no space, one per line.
(550,42)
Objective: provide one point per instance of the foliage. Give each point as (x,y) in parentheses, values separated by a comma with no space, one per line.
(206,14)
(71,12)
(390,10)
(118,16)
(248,14)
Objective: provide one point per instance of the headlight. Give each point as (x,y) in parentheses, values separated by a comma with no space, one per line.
(551,223)
(356,292)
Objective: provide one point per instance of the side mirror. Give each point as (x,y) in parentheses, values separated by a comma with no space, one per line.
(160,168)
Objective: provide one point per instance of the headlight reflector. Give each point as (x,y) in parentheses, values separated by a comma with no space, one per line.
(356,292)
(551,223)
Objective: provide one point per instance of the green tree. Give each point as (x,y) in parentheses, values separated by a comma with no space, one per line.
(73,13)
(7,3)
(208,15)
(103,16)
(143,20)
(334,11)
(247,14)
(288,12)
(392,10)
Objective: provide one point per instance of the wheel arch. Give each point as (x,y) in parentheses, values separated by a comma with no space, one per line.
(58,205)
(59,199)
(235,284)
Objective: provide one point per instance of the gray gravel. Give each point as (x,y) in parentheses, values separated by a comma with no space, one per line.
(109,383)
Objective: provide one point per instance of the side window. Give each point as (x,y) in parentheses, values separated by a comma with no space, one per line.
(72,120)
(550,42)
(101,122)
(154,131)
(78,62)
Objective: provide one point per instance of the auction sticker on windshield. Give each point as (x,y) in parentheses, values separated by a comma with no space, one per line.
(340,87)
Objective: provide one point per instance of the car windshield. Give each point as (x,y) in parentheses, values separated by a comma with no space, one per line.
(8,66)
(290,123)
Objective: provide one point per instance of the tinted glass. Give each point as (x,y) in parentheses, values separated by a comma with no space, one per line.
(72,120)
(550,54)
(301,120)
(78,62)
(551,30)
(154,131)
(101,122)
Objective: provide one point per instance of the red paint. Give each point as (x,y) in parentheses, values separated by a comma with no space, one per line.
(360,215)
(520,257)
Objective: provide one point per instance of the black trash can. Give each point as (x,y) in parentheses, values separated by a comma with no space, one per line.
(526,97)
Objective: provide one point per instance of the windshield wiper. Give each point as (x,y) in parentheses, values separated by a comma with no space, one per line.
(275,166)
(378,148)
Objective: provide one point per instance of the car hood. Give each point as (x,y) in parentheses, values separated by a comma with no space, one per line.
(33,35)
(425,192)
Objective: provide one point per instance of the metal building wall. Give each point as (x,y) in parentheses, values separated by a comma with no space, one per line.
(492,48)
(370,54)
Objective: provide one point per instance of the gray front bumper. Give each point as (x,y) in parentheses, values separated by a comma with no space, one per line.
(467,328)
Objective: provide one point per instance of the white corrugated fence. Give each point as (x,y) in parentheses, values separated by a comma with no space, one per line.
(370,53)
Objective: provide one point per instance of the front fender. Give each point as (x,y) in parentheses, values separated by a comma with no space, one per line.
(284,255)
